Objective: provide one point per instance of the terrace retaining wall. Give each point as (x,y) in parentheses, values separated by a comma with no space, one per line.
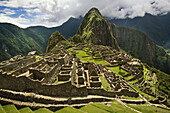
(25,84)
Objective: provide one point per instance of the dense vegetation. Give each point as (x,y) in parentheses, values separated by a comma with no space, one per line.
(95,29)
(55,38)
(15,40)
(156,27)
(139,45)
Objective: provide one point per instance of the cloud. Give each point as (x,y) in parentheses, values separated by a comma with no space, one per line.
(8,11)
(51,13)
(20,21)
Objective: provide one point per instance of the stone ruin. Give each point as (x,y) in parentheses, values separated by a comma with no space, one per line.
(56,76)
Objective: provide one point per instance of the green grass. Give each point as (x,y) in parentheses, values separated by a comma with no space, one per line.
(43,110)
(131,98)
(59,81)
(133,81)
(104,82)
(114,107)
(10,109)
(91,108)
(1,109)
(117,71)
(144,94)
(119,108)
(69,110)
(83,56)
(38,58)
(149,109)
(26,110)
(128,77)
(145,70)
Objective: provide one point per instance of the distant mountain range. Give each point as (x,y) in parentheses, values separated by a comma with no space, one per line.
(15,40)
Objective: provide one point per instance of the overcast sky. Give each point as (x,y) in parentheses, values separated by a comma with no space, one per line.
(51,13)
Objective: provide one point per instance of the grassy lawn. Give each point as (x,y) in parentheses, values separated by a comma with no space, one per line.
(131,98)
(1,109)
(133,81)
(128,77)
(90,108)
(10,109)
(43,110)
(149,109)
(69,110)
(117,71)
(119,108)
(104,82)
(114,107)
(26,110)
(83,56)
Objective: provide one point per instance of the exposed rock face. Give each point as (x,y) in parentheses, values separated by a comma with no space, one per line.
(95,29)
(55,39)
(139,45)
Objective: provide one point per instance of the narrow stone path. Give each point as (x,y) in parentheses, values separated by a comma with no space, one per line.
(127,106)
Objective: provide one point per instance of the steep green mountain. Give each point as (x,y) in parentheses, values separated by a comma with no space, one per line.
(139,45)
(55,41)
(15,40)
(95,29)
(156,27)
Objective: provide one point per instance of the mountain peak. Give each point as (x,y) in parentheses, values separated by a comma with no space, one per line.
(95,29)
(94,11)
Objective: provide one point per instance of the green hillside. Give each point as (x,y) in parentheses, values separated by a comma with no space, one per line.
(17,41)
(95,29)
(139,45)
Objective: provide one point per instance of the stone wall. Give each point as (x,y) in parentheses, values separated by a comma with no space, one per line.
(39,74)
(101,92)
(25,68)
(25,84)
(127,92)
(16,65)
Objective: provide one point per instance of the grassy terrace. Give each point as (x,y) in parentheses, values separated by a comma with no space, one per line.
(131,98)
(43,110)
(26,110)
(104,82)
(117,71)
(69,110)
(114,107)
(148,109)
(10,109)
(144,94)
(83,56)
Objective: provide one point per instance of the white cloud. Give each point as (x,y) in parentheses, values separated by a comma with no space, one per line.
(55,12)
(8,11)
(20,21)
